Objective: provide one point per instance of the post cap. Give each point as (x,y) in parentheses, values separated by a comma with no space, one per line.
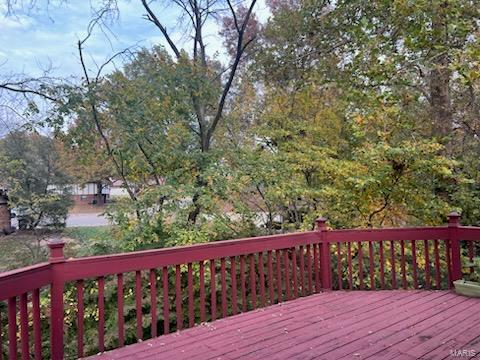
(454,218)
(56,250)
(321,223)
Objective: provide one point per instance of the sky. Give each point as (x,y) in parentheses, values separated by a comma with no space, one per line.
(45,36)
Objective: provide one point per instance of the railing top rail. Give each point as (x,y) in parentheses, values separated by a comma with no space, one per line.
(22,271)
(208,245)
(385,234)
(117,263)
(18,281)
(470,233)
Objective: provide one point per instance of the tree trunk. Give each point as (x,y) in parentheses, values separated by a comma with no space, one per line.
(440,74)
(440,98)
(99,193)
(5,226)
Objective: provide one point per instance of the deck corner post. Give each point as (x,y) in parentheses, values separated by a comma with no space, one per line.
(454,239)
(56,261)
(56,251)
(325,269)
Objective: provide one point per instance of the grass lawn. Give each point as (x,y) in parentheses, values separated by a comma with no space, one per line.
(24,248)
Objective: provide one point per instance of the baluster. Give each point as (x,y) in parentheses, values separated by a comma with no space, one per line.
(120,316)
(392,257)
(302,271)
(316,266)
(101,313)
(471,255)
(271,290)
(37,330)
(138,303)
(223,276)
(350,270)
(371,263)
(12,328)
(339,266)
(309,269)
(178,296)
(449,263)
(279,275)
(427,264)
(24,326)
(294,272)
(402,262)
(414,263)
(153,303)
(437,263)
(166,304)
(261,278)
(80,318)
(233,277)
(360,264)
(213,291)
(242,283)
(191,313)
(202,292)
(287,274)
(253,288)
(382,266)
(1,337)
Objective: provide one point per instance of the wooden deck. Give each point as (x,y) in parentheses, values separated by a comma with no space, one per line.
(395,324)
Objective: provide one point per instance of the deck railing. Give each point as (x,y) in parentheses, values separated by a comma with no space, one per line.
(179,287)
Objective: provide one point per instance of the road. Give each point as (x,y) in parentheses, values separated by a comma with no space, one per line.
(75,220)
(93,219)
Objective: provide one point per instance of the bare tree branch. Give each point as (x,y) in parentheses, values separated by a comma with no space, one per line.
(234,15)
(95,116)
(238,56)
(19,89)
(153,18)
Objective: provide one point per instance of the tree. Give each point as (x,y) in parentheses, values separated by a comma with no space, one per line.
(395,72)
(393,47)
(37,186)
(209,83)
(85,162)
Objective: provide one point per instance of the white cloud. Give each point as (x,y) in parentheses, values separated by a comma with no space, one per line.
(16,23)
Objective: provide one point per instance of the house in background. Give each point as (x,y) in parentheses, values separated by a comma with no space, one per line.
(117,189)
(90,193)
(97,193)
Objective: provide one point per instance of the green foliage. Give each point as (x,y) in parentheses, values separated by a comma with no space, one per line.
(38,188)
(334,114)
(361,111)
(352,99)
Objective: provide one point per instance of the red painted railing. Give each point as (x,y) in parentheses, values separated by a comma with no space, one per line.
(179,287)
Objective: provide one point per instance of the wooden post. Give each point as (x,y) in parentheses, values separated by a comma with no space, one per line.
(56,299)
(325,270)
(454,239)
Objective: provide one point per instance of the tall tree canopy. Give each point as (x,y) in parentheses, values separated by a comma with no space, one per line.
(366,112)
